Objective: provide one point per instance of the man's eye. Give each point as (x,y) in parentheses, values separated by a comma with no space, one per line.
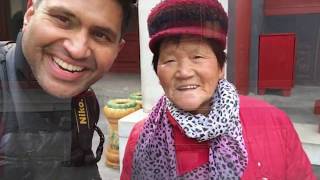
(62,19)
(101,36)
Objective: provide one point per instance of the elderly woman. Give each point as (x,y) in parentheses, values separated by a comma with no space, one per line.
(200,128)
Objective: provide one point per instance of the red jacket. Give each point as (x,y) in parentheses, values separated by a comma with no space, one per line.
(274,149)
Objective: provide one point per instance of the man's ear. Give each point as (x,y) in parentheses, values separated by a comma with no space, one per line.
(27,17)
(29,3)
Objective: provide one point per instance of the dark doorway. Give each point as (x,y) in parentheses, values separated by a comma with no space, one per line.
(11,18)
(4,17)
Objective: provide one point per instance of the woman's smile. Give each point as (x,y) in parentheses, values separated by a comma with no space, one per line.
(187,87)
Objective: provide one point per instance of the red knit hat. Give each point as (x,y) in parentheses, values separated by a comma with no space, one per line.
(206,18)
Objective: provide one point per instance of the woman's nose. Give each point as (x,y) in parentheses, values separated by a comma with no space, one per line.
(184,69)
(77,45)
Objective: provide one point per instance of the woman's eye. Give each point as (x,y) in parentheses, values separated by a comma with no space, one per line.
(198,57)
(169,61)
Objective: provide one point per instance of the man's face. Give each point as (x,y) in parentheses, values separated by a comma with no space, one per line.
(71,44)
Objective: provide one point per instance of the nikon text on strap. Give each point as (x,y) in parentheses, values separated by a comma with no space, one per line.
(85,115)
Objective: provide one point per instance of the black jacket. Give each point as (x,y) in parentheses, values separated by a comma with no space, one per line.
(35,128)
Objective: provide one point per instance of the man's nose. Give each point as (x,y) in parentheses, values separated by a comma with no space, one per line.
(77,45)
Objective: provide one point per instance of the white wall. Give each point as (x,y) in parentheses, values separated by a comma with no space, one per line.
(150,88)
(224,4)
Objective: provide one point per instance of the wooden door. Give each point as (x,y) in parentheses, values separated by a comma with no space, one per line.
(276,61)
(4,16)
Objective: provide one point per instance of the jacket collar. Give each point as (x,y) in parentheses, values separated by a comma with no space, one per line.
(23,69)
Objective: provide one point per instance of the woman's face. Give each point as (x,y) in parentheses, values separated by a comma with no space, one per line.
(189,72)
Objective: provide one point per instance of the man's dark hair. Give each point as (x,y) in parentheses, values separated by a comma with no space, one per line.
(126,12)
(216,48)
(126,7)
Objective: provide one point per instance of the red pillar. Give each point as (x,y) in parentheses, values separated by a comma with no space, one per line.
(317,107)
(317,110)
(242,44)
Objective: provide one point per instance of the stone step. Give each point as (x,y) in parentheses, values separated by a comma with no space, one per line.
(310,138)
(125,126)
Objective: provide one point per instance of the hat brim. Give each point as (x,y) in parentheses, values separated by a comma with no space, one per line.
(220,37)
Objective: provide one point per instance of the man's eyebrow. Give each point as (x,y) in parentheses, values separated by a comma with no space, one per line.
(59,9)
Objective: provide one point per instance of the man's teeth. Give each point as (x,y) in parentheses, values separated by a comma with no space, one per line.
(67,66)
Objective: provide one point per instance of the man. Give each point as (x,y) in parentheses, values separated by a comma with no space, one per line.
(46,107)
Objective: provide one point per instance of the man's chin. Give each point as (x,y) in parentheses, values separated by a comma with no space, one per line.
(62,93)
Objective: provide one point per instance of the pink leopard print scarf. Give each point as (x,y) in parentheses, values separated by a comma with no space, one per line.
(155,158)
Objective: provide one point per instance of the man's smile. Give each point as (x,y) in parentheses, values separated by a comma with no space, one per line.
(65,66)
